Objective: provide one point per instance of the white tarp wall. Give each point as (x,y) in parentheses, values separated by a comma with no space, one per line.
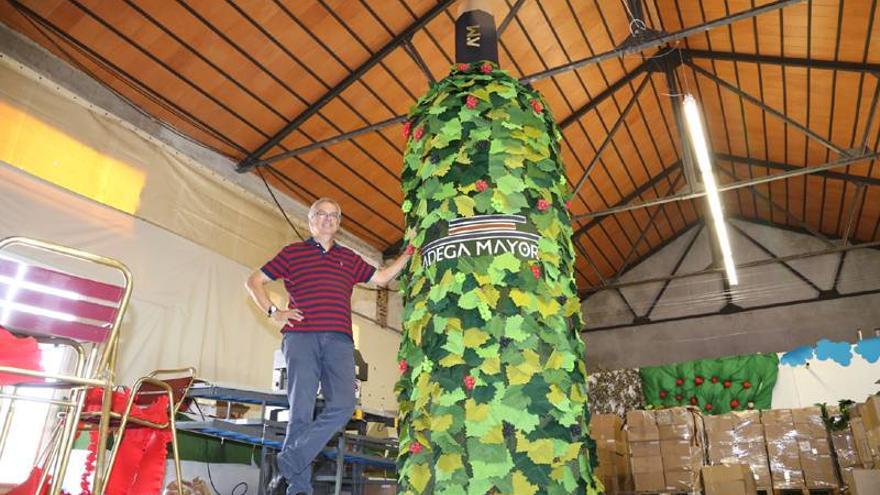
(189,236)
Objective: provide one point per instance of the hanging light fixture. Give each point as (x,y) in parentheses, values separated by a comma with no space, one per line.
(701,150)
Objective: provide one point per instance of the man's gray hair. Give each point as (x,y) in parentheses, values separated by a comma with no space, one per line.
(314,208)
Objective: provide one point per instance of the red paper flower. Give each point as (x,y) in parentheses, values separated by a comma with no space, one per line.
(698,380)
(471,102)
(486,68)
(415,448)
(402,366)
(663,394)
(536,106)
(481,185)
(407,128)
(410,249)
(536,271)
(727,383)
(419,132)
(463,67)
(734,404)
(747,385)
(714,379)
(543,204)
(469,382)
(708,407)
(694,401)
(679,382)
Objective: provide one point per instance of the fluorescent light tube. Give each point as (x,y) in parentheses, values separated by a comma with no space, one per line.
(701,150)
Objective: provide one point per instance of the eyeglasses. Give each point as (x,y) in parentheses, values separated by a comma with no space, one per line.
(328,214)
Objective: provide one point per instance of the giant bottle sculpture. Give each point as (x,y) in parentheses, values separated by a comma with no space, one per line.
(492,393)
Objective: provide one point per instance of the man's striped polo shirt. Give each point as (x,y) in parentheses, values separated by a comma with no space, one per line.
(319,283)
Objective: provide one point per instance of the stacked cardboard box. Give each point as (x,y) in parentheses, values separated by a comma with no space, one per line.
(860,436)
(844,445)
(733,479)
(782,450)
(738,437)
(863,481)
(613,455)
(644,451)
(870,413)
(682,447)
(814,448)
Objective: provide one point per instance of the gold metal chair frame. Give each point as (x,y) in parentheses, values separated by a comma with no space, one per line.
(98,370)
(119,421)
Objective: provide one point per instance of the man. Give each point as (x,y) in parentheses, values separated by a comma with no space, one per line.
(319,276)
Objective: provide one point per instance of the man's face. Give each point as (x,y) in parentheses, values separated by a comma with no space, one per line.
(325,221)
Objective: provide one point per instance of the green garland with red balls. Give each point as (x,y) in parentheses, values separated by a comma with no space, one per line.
(716,386)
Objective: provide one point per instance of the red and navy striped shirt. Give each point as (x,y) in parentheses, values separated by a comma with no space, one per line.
(319,283)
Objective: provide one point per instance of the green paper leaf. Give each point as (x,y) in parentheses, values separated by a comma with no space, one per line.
(510,184)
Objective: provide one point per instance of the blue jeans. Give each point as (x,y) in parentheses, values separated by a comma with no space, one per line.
(314,357)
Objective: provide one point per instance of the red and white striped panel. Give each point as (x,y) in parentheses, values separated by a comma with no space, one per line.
(41,301)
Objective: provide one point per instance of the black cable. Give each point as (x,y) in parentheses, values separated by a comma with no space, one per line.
(208,463)
(295,231)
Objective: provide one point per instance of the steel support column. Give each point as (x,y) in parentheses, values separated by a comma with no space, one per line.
(599,98)
(660,40)
(773,255)
(784,61)
(751,264)
(773,205)
(841,162)
(757,162)
(772,111)
(611,133)
(631,196)
(420,62)
(251,160)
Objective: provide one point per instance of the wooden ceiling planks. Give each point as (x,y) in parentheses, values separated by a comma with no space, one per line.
(231,75)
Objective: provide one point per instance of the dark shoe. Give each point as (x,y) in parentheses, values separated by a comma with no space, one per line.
(277,485)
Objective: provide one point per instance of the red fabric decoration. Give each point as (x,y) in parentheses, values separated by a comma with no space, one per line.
(536,271)
(543,204)
(469,382)
(734,404)
(419,132)
(679,382)
(140,464)
(402,366)
(471,102)
(463,67)
(727,383)
(407,128)
(486,68)
(410,249)
(415,448)
(747,385)
(698,380)
(19,353)
(663,394)
(481,185)
(708,407)
(568,205)
(29,486)
(694,401)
